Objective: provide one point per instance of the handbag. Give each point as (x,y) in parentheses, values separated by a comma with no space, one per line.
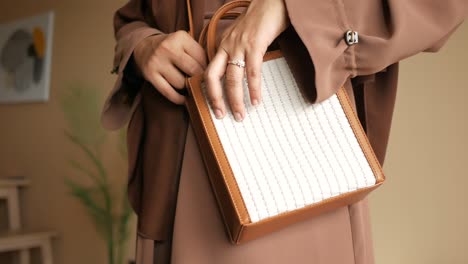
(289,160)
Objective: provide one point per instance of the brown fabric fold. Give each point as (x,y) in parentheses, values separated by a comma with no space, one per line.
(389,31)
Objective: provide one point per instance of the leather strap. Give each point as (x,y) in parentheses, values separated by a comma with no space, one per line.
(190,18)
(228,15)
(208,34)
(211,33)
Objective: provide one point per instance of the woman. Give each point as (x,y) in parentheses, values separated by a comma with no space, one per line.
(178,222)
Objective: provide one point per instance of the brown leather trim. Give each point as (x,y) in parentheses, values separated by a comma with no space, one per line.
(230,201)
(269,225)
(225,188)
(272,55)
(273,224)
(211,33)
(190,18)
(360,135)
(266,226)
(228,15)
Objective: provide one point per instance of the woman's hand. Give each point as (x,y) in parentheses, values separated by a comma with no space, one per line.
(247,39)
(163,60)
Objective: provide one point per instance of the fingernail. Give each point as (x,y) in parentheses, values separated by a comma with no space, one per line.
(238,116)
(254,102)
(218,113)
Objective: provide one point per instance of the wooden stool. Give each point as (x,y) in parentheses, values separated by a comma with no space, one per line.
(14,239)
(25,241)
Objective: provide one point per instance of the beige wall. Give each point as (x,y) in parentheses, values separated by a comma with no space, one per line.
(31,136)
(418,215)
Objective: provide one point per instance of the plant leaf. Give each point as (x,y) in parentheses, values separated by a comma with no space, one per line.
(98,214)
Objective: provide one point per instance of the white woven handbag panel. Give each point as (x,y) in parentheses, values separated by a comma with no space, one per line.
(288,153)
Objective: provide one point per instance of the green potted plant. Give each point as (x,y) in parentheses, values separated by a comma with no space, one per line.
(105,203)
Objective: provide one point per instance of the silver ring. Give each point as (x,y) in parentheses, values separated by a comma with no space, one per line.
(238,63)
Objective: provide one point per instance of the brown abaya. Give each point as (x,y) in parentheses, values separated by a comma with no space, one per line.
(162,146)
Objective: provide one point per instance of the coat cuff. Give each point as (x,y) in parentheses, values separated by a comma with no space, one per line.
(388,32)
(321,29)
(125,95)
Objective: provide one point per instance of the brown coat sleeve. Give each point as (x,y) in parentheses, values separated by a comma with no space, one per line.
(132,23)
(389,31)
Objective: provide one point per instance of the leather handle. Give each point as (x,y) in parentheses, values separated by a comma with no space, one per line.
(228,15)
(222,12)
(208,34)
(190,19)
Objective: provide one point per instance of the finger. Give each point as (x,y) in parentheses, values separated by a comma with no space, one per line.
(193,49)
(233,84)
(213,75)
(254,62)
(166,90)
(172,75)
(187,64)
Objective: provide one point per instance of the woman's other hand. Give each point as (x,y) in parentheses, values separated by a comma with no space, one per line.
(246,40)
(163,60)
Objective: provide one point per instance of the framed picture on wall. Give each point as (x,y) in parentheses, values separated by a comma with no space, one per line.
(25,59)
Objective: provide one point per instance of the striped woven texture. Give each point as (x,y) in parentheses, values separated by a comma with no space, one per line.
(289,153)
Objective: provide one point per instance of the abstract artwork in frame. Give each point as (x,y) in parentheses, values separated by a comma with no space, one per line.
(25,59)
